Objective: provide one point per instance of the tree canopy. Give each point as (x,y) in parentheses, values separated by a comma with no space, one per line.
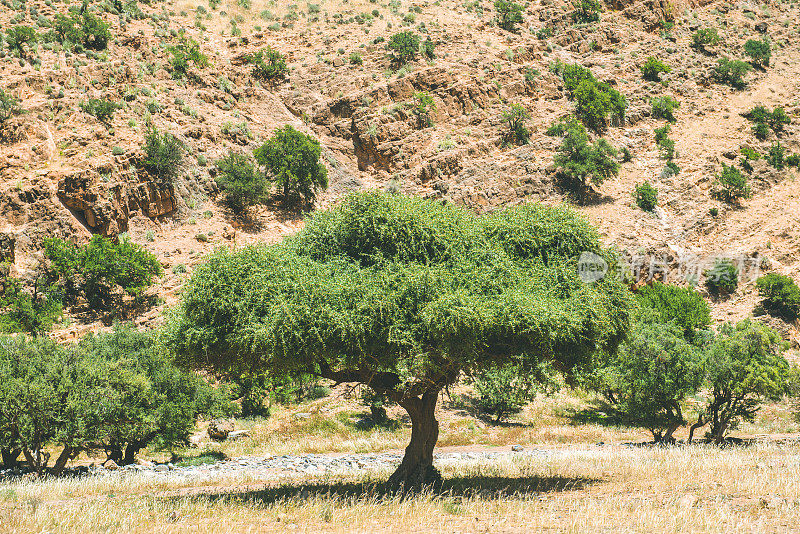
(403,294)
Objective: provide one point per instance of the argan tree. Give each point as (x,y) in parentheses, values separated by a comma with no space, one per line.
(403,295)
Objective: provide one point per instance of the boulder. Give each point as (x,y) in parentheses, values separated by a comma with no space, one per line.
(219,429)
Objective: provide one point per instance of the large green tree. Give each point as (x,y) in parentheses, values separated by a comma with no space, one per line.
(405,294)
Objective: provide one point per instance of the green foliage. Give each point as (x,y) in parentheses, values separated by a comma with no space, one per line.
(515,117)
(665,145)
(356,59)
(101,269)
(163,155)
(586,10)
(241,182)
(731,185)
(582,163)
(405,46)
(744,367)
(781,295)
(573,75)
(269,64)
(559,128)
(653,373)
(101,108)
(681,306)
(664,106)
(114,392)
(750,153)
(722,277)
(731,72)
(763,120)
(411,291)
(427,47)
(292,160)
(84,29)
(652,68)
(705,37)
(424,106)
(509,14)
(187,50)
(20,39)
(33,311)
(776,156)
(759,51)
(646,196)
(9,106)
(503,390)
(596,101)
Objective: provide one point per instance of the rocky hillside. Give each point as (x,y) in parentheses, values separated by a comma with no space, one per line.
(66,173)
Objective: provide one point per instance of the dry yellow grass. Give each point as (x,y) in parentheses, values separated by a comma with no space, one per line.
(594,489)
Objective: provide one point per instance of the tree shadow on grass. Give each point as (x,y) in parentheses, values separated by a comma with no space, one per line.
(483,487)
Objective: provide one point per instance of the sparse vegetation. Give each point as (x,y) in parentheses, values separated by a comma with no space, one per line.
(731,72)
(760,52)
(187,50)
(705,37)
(515,117)
(423,107)
(163,155)
(731,185)
(646,196)
(100,108)
(586,10)
(653,68)
(581,163)
(664,108)
(509,14)
(268,64)
(241,182)
(404,46)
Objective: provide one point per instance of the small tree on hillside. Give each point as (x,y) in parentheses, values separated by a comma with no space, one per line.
(292,159)
(403,294)
(405,46)
(759,51)
(682,306)
(515,117)
(581,163)
(509,14)
(163,155)
(241,182)
(586,10)
(731,185)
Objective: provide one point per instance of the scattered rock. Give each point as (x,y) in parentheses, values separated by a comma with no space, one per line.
(761,27)
(517,448)
(111,465)
(687,501)
(236,434)
(161,468)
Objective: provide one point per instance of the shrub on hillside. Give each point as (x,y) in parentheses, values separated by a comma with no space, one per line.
(268,64)
(100,108)
(731,185)
(731,72)
(404,46)
(9,106)
(240,181)
(597,105)
(31,310)
(581,163)
(776,156)
(652,68)
(722,277)
(759,51)
(509,14)
(664,107)
(101,269)
(646,196)
(163,154)
(705,37)
(763,119)
(586,10)
(292,159)
(20,39)
(515,117)
(187,50)
(781,295)
(423,107)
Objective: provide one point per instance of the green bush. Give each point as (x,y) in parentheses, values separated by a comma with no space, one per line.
(776,156)
(427,47)
(356,59)
(515,117)
(101,269)
(509,14)
(586,10)
(20,39)
(665,145)
(163,155)
(781,295)
(503,391)
(651,376)
(744,367)
(679,305)
(646,196)
(113,392)
(581,163)
(731,185)
(292,160)
(652,68)
(423,107)
(664,106)
(84,29)
(100,108)
(32,311)
(242,184)
(187,50)
(759,51)
(597,104)
(705,37)
(268,64)
(9,106)
(405,46)
(731,72)
(763,120)
(573,75)
(722,277)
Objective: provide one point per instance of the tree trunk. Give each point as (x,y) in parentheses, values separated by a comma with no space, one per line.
(416,470)
(695,426)
(67,454)
(9,457)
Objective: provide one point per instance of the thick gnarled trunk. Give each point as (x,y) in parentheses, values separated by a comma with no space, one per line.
(416,471)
